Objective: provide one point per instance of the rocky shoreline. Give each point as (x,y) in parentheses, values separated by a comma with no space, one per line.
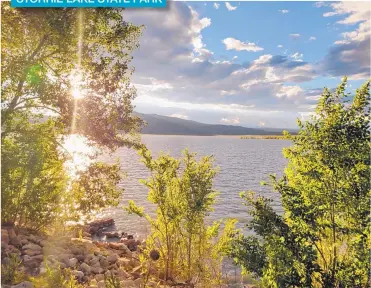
(90,261)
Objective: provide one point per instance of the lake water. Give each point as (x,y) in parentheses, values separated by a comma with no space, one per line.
(243,164)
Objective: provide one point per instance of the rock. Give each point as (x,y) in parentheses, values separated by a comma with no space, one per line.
(99,277)
(11,233)
(72,262)
(104,263)
(31,246)
(123,274)
(130,243)
(38,257)
(31,252)
(4,236)
(124,262)
(25,284)
(105,222)
(138,282)
(96,270)
(24,242)
(135,275)
(34,239)
(64,258)
(114,234)
(76,250)
(81,258)
(112,258)
(15,241)
(127,283)
(78,274)
(101,284)
(85,268)
(81,240)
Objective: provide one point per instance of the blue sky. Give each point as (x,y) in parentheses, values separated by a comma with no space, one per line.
(248,63)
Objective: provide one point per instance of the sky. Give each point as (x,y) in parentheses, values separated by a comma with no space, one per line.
(251,64)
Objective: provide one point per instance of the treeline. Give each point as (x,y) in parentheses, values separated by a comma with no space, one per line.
(51,56)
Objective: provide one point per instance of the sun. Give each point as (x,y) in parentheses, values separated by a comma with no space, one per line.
(76,93)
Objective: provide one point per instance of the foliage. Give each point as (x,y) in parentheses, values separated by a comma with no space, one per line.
(183,194)
(10,270)
(323,237)
(48,54)
(96,187)
(55,278)
(64,71)
(32,176)
(111,281)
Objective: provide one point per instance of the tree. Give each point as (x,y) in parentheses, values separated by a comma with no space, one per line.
(183,194)
(323,237)
(64,71)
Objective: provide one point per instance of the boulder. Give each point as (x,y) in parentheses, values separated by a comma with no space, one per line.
(112,258)
(113,234)
(25,284)
(127,283)
(31,246)
(72,262)
(123,274)
(78,274)
(96,270)
(31,252)
(124,262)
(138,282)
(103,263)
(15,241)
(99,277)
(85,268)
(4,236)
(101,284)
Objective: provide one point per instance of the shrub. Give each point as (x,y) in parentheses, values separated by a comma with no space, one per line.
(323,237)
(183,193)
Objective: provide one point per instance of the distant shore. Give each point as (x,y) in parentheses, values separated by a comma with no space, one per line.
(235,136)
(265,137)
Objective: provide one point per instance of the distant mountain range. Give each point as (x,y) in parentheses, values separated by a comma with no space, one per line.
(164,125)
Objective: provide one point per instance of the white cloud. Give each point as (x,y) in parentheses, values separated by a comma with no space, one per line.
(235,44)
(216,5)
(312,38)
(284,11)
(289,91)
(230,7)
(234,58)
(351,54)
(280,46)
(230,92)
(297,56)
(320,4)
(178,115)
(230,120)
(295,36)
(329,14)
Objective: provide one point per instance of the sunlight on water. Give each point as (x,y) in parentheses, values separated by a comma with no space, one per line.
(79,154)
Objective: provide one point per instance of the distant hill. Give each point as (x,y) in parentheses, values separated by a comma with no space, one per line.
(164,125)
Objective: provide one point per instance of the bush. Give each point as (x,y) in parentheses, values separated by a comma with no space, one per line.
(183,193)
(323,237)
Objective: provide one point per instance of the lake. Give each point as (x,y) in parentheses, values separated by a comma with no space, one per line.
(243,164)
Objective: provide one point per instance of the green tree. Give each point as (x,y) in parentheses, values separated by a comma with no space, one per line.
(63,72)
(323,237)
(182,191)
